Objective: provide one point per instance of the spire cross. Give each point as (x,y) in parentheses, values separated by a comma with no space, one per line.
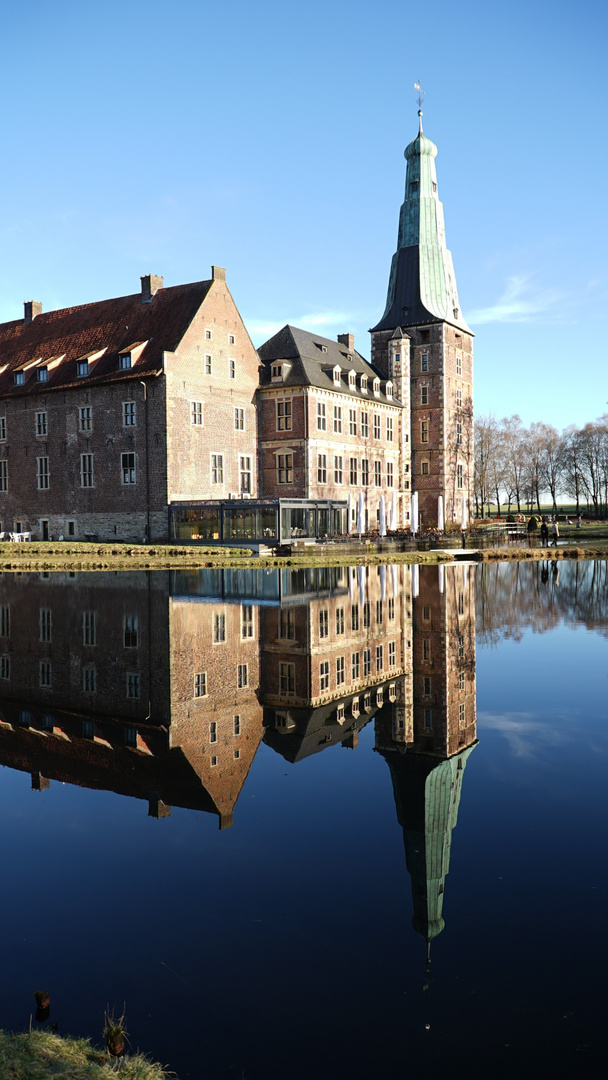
(421,93)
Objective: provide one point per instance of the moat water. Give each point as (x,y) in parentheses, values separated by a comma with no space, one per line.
(257,853)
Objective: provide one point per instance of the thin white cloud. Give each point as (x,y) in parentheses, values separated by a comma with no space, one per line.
(525,735)
(520,302)
(317,320)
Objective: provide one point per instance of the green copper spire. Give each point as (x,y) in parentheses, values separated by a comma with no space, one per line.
(422,285)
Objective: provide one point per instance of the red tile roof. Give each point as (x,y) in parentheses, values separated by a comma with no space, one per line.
(113,325)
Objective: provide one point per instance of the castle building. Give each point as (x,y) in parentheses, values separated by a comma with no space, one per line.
(424,345)
(152,416)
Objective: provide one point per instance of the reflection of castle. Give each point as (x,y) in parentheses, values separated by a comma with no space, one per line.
(427,764)
(161,686)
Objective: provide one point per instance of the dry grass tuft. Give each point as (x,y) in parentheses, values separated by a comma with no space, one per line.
(39,1055)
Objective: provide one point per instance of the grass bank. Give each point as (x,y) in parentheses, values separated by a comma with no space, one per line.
(39,1055)
(42,557)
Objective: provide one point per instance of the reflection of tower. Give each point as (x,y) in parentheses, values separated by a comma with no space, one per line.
(427,768)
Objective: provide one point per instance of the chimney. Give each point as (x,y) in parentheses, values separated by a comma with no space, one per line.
(150,284)
(218,273)
(31,308)
(348,340)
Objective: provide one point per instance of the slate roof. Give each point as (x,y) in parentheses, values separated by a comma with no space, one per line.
(113,325)
(313,359)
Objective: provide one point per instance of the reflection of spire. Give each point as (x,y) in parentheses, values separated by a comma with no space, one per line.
(427,797)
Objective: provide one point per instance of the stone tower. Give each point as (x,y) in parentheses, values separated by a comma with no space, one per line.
(423,329)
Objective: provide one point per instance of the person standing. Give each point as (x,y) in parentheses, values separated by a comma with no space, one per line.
(555,533)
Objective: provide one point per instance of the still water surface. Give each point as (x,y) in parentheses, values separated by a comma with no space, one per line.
(403,762)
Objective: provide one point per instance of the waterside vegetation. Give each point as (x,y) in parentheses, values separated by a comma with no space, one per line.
(41,1055)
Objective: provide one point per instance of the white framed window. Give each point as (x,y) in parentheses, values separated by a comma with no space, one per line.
(245,474)
(285,468)
(337,469)
(389,429)
(364,425)
(287,679)
(462,714)
(3,474)
(323,623)
(424,468)
(458,364)
(355,666)
(287,626)
(363,384)
(324,675)
(82,368)
(132,685)
(42,374)
(276,371)
(41,423)
(337,375)
(200,684)
(239,419)
(391,654)
(352,380)
(213,731)
(458,398)
(321,417)
(459,477)
(232,369)
(352,471)
(389,389)
(379,612)
(283,415)
(217,468)
(424,431)
(208,364)
(89,628)
(128,414)
(376,386)
(127,468)
(340,620)
(377,428)
(42,473)
(379,657)
(461,680)
(124,361)
(196,413)
(390,476)
(247,622)
(458,433)
(236,754)
(424,394)
(130,632)
(424,362)
(365,472)
(378,473)
(2,428)
(242,676)
(461,647)
(236,725)
(85,418)
(321,468)
(19,378)
(45,673)
(352,421)
(219,629)
(231,339)
(355,707)
(338,419)
(367,663)
(339,670)
(213,760)
(208,335)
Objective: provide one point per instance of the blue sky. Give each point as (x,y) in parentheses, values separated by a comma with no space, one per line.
(268,138)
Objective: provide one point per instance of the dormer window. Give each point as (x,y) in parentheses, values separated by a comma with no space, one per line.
(337,374)
(124,361)
(364,384)
(19,378)
(276,371)
(352,380)
(42,374)
(323,348)
(456,312)
(82,368)
(376,386)
(389,389)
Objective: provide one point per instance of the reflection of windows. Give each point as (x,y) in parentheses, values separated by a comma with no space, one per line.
(89,680)
(339,670)
(323,624)
(245,474)
(354,616)
(458,434)
(461,714)
(89,628)
(367,702)
(132,684)
(354,706)
(367,663)
(200,684)
(219,629)
(460,646)
(389,474)
(286,624)
(428,718)
(355,666)
(287,679)
(246,622)
(461,680)
(324,675)
(391,654)
(5,667)
(391,608)
(424,431)
(337,470)
(340,620)
(379,657)
(46,624)
(131,632)
(379,612)
(461,603)
(5,620)
(427,685)
(459,477)
(367,616)
(426,649)
(45,673)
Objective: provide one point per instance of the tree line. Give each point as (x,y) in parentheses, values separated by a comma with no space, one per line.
(515,465)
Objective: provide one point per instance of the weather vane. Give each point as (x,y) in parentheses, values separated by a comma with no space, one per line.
(421,92)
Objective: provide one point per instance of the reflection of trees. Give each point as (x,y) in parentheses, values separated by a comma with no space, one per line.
(513,597)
